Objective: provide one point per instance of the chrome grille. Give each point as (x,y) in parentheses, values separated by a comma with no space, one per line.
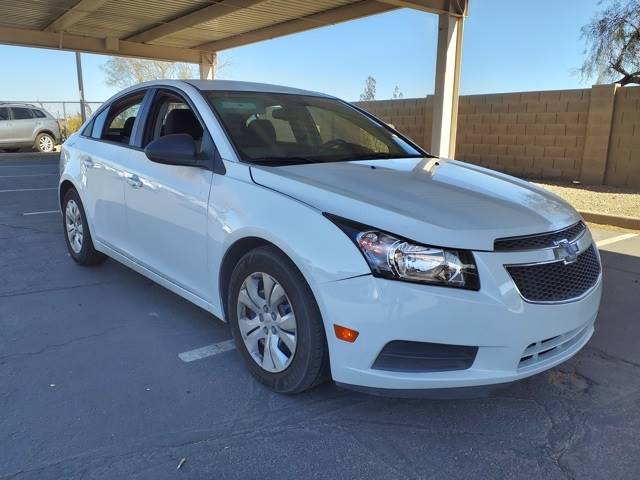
(555,281)
(540,240)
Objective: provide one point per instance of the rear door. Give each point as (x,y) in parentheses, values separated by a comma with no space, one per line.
(104,158)
(167,204)
(22,125)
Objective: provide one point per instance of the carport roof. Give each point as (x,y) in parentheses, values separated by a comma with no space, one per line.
(180,30)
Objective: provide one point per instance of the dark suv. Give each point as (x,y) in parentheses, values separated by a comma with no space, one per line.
(25,125)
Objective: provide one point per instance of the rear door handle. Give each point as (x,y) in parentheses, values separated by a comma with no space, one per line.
(134,180)
(87,162)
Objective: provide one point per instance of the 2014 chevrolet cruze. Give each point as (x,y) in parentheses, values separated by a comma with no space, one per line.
(333,245)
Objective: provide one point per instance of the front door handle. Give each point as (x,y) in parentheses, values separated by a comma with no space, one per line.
(134,180)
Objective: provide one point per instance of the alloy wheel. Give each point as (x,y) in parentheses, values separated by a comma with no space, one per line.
(73,222)
(267,322)
(45,143)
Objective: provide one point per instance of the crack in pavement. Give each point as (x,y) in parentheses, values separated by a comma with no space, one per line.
(20,293)
(59,345)
(612,358)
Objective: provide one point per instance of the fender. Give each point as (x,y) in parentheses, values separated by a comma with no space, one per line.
(239,209)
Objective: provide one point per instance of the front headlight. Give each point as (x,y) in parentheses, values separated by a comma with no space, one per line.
(393,257)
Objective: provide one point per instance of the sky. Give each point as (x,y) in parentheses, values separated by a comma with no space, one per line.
(509,46)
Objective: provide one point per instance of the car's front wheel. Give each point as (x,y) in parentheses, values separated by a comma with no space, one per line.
(45,143)
(77,233)
(276,322)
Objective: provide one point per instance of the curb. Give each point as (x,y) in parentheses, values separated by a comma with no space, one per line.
(622,221)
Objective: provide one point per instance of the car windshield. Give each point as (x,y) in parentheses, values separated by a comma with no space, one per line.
(277,129)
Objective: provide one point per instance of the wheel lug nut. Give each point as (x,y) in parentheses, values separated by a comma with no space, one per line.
(266,329)
(265,309)
(273,316)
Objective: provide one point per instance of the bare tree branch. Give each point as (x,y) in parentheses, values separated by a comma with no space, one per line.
(613,43)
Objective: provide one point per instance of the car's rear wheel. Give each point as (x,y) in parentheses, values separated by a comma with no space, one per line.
(45,143)
(77,233)
(276,322)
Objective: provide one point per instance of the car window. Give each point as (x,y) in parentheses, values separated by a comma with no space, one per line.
(170,114)
(121,119)
(273,128)
(38,113)
(4,113)
(98,123)
(21,113)
(86,131)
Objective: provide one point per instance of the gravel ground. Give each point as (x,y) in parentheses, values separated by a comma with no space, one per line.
(599,199)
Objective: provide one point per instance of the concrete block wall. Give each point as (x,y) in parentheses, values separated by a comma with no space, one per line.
(623,165)
(592,135)
(531,134)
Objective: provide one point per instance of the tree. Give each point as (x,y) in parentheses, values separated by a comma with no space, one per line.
(397,94)
(369,90)
(613,43)
(123,72)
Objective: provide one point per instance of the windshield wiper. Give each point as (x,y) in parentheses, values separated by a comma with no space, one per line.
(381,156)
(281,160)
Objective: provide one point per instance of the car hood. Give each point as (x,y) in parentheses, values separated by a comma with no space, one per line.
(433,201)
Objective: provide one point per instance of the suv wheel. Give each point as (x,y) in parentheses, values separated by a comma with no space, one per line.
(77,233)
(276,323)
(45,143)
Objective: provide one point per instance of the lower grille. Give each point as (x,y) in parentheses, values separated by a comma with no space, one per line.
(405,356)
(557,282)
(543,350)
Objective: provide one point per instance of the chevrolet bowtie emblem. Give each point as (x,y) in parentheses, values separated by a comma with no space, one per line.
(566,251)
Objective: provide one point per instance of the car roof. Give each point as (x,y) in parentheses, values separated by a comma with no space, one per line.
(237,86)
(221,85)
(19,104)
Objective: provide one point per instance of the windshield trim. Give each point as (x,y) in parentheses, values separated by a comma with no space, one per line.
(241,156)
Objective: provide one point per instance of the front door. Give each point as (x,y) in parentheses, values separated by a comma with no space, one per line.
(167,204)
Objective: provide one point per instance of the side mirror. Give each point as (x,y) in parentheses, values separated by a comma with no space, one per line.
(174,149)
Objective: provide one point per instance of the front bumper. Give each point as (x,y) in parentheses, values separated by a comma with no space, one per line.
(495,319)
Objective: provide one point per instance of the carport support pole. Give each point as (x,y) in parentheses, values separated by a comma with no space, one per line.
(208,66)
(83,114)
(447,86)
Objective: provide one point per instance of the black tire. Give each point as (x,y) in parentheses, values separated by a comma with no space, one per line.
(87,255)
(39,146)
(310,362)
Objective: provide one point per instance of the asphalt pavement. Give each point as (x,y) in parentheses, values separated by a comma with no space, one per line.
(106,375)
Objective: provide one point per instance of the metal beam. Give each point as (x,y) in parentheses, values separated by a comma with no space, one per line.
(330,17)
(452,7)
(192,19)
(447,87)
(76,13)
(64,41)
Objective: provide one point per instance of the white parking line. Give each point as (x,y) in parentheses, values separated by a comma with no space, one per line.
(207,351)
(26,190)
(619,238)
(41,213)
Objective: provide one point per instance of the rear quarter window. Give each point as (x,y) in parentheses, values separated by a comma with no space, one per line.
(38,113)
(21,113)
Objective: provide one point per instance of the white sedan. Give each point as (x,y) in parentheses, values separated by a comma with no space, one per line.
(334,246)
